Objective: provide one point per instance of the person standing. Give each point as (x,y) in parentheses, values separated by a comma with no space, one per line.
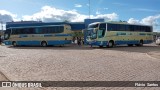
(79,41)
(0,40)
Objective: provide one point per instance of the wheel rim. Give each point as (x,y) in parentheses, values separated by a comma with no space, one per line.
(110,44)
(14,44)
(141,43)
(44,44)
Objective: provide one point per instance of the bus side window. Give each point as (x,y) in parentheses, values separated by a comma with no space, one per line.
(38,31)
(102,26)
(127,28)
(131,27)
(148,29)
(111,27)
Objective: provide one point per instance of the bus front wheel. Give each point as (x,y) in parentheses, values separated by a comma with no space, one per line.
(101,46)
(43,44)
(14,44)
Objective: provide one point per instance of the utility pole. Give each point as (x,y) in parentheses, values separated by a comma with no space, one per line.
(89,9)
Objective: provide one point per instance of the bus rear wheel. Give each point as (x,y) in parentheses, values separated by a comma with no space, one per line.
(43,44)
(14,43)
(140,43)
(101,46)
(130,45)
(110,44)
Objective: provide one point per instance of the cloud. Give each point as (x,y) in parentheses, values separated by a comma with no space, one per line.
(133,21)
(100,9)
(87,5)
(106,8)
(51,14)
(145,10)
(150,20)
(97,12)
(110,17)
(119,4)
(6,16)
(78,5)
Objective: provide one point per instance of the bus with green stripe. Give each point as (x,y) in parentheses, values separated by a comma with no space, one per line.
(109,34)
(43,35)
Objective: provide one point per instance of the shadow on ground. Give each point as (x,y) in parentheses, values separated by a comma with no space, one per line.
(144,49)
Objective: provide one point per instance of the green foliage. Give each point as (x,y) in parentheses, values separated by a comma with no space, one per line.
(78,34)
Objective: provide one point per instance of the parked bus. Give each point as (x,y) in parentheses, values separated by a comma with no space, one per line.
(114,33)
(38,35)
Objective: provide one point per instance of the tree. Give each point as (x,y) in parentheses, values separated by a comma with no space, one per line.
(66,21)
(78,34)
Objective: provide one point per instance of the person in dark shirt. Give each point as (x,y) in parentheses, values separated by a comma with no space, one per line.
(79,41)
(0,40)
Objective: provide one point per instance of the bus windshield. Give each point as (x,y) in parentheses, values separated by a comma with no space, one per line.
(93,26)
(92,33)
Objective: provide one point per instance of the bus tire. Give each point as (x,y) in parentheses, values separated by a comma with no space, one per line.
(130,45)
(110,44)
(14,43)
(43,43)
(140,43)
(61,45)
(101,46)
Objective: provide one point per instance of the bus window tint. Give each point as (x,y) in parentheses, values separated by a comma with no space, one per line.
(128,28)
(16,31)
(7,34)
(137,28)
(131,27)
(121,27)
(111,27)
(29,31)
(55,29)
(148,29)
(102,27)
(142,29)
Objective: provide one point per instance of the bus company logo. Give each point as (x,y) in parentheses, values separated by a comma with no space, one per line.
(6,84)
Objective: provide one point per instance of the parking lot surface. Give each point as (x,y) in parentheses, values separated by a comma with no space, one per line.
(74,63)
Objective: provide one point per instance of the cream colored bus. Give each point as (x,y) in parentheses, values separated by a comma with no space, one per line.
(38,35)
(114,33)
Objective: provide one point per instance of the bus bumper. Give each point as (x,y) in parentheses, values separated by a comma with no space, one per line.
(7,42)
(98,43)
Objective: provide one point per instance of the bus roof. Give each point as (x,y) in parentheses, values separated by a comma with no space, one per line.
(125,23)
(35,26)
